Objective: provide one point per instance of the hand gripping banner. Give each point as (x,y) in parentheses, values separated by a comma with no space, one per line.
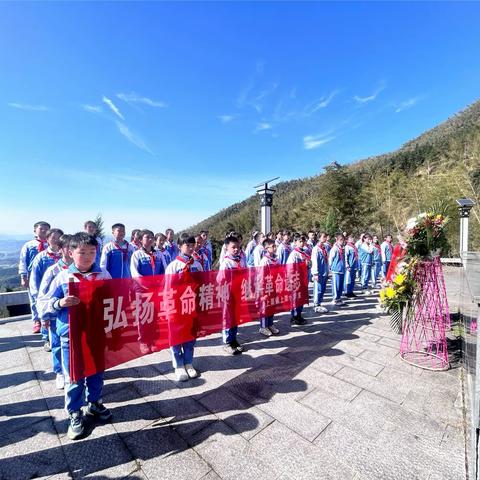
(122,319)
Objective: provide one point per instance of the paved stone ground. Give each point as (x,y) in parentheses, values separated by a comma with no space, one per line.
(331,400)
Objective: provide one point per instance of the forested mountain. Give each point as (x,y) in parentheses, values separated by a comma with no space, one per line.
(377,194)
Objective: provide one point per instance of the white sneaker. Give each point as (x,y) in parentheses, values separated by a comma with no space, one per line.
(274,330)
(265,331)
(321,309)
(191,372)
(367,292)
(181,374)
(333,302)
(339,302)
(60,381)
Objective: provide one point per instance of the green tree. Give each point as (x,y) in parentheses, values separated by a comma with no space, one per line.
(100,227)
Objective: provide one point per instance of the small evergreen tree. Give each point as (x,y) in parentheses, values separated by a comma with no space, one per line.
(100,227)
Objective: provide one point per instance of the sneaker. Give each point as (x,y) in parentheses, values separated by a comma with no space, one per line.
(350,295)
(239,348)
(274,330)
(231,349)
(320,309)
(191,372)
(265,331)
(333,302)
(60,381)
(76,428)
(181,375)
(98,410)
(367,292)
(145,349)
(299,321)
(37,327)
(339,302)
(46,346)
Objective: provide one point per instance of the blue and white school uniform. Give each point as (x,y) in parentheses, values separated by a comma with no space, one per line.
(283,251)
(202,258)
(365,253)
(258,252)
(42,303)
(351,260)
(229,263)
(172,249)
(387,251)
(249,253)
(164,254)
(27,254)
(90,388)
(358,244)
(40,263)
(99,250)
(143,263)
(320,268)
(296,256)
(208,246)
(265,263)
(207,265)
(116,259)
(377,263)
(336,261)
(182,354)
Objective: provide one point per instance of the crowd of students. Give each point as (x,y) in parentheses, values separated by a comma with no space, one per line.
(52,259)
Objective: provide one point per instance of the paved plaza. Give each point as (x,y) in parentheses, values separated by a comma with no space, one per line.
(329,400)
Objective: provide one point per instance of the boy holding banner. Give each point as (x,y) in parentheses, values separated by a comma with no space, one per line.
(83,250)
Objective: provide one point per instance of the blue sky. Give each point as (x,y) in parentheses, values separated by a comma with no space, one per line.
(160,114)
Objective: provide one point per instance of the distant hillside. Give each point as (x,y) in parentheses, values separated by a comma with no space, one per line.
(377,194)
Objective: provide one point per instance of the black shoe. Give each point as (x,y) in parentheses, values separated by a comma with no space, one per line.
(237,346)
(46,346)
(231,349)
(99,411)
(299,320)
(76,428)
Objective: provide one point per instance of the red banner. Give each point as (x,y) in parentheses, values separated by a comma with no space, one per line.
(116,316)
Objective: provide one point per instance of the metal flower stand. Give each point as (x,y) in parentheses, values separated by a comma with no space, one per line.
(424,341)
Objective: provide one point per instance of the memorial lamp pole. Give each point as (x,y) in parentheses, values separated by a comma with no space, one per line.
(266,202)
(464,207)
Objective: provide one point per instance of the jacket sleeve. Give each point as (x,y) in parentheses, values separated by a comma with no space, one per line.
(134,266)
(35,277)
(315,253)
(104,257)
(22,265)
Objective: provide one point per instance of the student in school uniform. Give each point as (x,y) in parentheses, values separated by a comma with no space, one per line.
(298,255)
(365,253)
(116,255)
(267,328)
(351,263)
(319,272)
(223,250)
(336,261)
(160,247)
(41,262)
(311,241)
(358,244)
(28,252)
(135,240)
(200,254)
(387,250)
(231,261)
(250,247)
(207,244)
(377,261)
(83,250)
(258,251)
(49,321)
(170,244)
(278,238)
(182,354)
(284,249)
(328,244)
(90,227)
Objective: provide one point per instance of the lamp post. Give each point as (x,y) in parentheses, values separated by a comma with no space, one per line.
(464,207)
(266,202)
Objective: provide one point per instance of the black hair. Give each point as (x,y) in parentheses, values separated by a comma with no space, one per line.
(89,222)
(230,239)
(299,236)
(388,235)
(41,224)
(118,225)
(134,232)
(338,236)
(185,239)
(257,236)
(169,230)
(267,242)
(145,231)
(158,235)
(203,231)
(64,241)
(82,239)
(51,231)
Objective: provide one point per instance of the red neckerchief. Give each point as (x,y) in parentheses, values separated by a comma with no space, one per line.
(236,260)
(41,245)
(188,263)
(390,247)
(378,247)
(54,255)
(273,260)
(305,257)
(199,258)
(83,278)
(355,250)
(123,250)
(322,248)
(340,251)
(151,254)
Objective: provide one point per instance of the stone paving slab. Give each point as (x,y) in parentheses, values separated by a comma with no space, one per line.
(328,400)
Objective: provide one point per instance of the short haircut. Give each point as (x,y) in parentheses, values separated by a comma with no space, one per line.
(230,239)
(367,235)
(89,222)
(118,225)
(338,236)
(64,241)
(145,232)
(351,237)
(185,239)
(268,242)
(134,232)
(41,224)
(203,232)
(299,236)
(285,232)
(82,239)
(51,231)
(169,230)
(257,236)
(311,231)
(160,235)
(388,235)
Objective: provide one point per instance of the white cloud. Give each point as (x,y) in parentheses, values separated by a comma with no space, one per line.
(310,142)
(132,138)
(320,103)
(225,118)
(371,97)
(31,108)
(406,104)
(263,126)
(92,108)
(133,98)
(112,107)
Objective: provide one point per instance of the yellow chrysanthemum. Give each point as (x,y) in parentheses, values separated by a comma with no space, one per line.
(399,279)
(382,295)
(389,292)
